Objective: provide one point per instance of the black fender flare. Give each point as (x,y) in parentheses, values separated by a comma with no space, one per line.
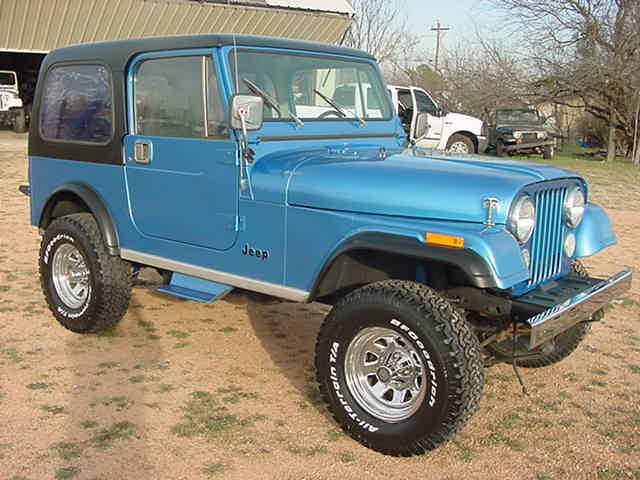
(477,270)
(97,208)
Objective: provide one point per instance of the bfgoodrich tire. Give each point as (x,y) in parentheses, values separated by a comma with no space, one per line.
(87,289)
(399,367)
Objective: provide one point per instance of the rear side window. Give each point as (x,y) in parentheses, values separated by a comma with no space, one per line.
(77,104)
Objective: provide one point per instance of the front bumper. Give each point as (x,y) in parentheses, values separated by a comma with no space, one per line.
(527,145)
(483,143)
(574,300)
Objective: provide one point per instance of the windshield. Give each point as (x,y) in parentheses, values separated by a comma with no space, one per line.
(519,116)
(304,86)
(7,79)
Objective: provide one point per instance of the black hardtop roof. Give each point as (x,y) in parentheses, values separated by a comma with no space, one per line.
(117,53)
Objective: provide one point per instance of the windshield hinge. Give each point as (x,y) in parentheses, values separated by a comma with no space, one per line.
(241,224)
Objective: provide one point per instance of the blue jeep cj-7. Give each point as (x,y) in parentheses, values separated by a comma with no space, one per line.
(235,162)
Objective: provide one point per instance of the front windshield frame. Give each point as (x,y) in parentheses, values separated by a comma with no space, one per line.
(383,99)
(506,115)
(8,76)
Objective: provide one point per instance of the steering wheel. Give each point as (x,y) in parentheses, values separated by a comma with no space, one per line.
(330,112)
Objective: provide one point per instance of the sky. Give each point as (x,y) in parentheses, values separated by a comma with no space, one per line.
(463,17)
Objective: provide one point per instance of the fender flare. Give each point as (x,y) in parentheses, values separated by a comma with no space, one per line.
(97,208)
(477,270)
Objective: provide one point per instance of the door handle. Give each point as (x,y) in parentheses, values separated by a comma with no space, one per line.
(142,152)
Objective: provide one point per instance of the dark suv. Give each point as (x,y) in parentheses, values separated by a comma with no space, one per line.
(520,130)
(229,162)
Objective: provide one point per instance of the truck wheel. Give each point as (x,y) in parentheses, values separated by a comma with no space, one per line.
(87,289)
(548,152)
(460,144)
(399,367)
(559,347)
(500,149)
(19,121)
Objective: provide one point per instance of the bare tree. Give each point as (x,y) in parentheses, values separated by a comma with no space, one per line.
(587,50)
(380,28)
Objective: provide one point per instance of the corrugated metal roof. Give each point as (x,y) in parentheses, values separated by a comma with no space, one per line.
(338,6)
(42,25)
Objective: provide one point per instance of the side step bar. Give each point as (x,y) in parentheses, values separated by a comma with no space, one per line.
(193,288)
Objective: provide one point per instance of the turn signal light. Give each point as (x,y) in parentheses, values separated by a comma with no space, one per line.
(444,240)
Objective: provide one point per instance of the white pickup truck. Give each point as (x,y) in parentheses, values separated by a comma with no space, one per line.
(453,132)
(11,108)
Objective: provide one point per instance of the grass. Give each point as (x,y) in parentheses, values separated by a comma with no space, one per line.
(68,450)
(105,437)
(66,472)
(38,386)
(88,424)
(204,417)
(213,468)
(53,409)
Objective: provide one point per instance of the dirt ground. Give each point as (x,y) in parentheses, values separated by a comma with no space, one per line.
(181,390)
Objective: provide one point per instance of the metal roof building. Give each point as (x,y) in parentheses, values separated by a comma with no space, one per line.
(38,26)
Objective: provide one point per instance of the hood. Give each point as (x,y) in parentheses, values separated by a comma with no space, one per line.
(521,126)
(414,183)
(466,120)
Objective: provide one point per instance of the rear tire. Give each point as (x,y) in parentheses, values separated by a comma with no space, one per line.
(87,289)
(399,367)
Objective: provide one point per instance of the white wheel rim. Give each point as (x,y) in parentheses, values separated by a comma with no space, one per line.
(385,374)
(70,276)
(459,147)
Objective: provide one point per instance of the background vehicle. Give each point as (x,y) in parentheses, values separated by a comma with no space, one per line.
(520,130)
(441,130)
(11,109)
(228,162)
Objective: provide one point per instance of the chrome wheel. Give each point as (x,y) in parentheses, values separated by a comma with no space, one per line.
(385,374)
(70,276)
(459,147)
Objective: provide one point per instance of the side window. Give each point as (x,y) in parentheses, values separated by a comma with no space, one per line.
(77,104)
(425,104)
(169,95)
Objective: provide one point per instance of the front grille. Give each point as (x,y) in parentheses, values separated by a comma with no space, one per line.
(547,242)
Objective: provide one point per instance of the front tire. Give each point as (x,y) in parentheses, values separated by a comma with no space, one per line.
(87,289)
(399,367)
(19,121)
(460,144)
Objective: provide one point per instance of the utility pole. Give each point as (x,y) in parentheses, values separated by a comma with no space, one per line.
(438,29)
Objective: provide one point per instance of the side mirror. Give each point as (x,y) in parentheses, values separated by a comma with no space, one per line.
(422,125)
(246,112)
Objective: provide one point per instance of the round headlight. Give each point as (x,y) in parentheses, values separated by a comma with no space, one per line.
(523,219)
(574,207)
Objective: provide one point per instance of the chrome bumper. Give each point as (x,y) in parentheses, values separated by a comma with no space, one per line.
(580,307)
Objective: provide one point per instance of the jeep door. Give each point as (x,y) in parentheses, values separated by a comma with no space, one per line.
(433,135)
(180,160)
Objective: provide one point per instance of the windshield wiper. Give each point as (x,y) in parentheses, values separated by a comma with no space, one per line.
(269,100)
(338,108)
